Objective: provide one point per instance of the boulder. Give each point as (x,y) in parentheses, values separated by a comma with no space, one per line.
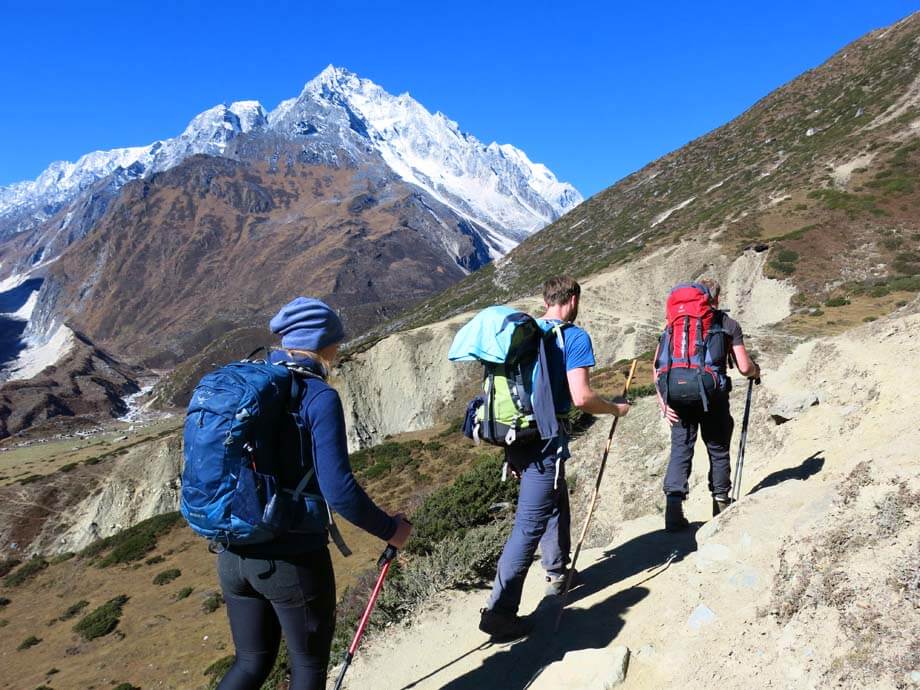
(790,406)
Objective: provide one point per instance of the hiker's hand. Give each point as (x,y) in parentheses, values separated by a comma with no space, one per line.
(670,415)
(755,374)
(514,472)
(620,406)
(403,530)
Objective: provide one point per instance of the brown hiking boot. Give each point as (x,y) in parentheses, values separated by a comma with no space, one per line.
(503,627)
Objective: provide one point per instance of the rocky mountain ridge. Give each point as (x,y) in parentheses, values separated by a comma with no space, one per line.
(339,118)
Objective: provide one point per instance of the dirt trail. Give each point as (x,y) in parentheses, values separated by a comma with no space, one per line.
(812,580)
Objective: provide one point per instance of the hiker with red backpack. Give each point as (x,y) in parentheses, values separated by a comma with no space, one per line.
(265,463)
(696,348)
(537,372)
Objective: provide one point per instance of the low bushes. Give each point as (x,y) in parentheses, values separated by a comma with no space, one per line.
(30,641)
(469,502)
(212,602)
(218,670)
(131,544)
(25,572)
(73,610)
(102,620)
(184,593)
(167,576)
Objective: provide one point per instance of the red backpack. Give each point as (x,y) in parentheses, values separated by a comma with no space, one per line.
(691,354)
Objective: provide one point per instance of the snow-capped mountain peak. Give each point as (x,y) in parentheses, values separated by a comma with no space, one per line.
(496,185)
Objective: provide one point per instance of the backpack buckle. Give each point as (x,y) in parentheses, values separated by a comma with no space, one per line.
(510,436)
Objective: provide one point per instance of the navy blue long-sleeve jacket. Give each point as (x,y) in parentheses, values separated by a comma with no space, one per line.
(323,421)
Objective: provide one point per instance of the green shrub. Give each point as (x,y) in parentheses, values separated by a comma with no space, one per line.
(30,479)
(73,610)
(44,687)
(907,263)
(30,641)
(184,593)
(837,302)
(154,560)
(852,204)
(4,602)
(132,544)
(457,561)
(7,564)
(93,461)
(70,466)
(879,291)
(25,572)
(787,256)
(466,503)
(218,670)
(126,686)
(870,319)
(643,391)
(784,268)
(816,312)
(167,576)
(102,620)
(900,303)
(212,602)
(62,557)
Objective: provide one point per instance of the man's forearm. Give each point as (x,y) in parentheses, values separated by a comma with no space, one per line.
(593,403)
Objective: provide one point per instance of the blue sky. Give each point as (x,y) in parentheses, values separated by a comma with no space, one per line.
(593,89)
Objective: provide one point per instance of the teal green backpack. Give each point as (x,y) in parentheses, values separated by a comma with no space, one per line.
(516,404)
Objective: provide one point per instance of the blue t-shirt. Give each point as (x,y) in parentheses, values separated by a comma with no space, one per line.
(578,352)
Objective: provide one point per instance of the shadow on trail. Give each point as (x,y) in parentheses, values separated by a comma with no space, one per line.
(514,665)
(809,467)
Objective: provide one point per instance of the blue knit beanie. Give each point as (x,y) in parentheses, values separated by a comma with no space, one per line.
(306,323)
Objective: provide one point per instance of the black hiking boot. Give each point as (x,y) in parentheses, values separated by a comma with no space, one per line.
(674,520)
(503,627)
(719,503)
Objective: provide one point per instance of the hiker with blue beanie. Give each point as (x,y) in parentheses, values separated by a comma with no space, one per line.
(542,516)
(287,586)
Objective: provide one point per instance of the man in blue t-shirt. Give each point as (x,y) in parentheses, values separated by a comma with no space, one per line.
(542,516)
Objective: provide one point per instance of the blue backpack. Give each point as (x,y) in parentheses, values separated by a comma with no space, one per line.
(516,405)
(231,491)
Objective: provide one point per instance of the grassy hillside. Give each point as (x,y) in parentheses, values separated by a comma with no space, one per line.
(143,607)
(822,171)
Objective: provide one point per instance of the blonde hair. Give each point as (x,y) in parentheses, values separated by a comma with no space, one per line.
(325,362)
(712,285)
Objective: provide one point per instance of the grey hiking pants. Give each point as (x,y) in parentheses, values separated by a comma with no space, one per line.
(542,518)
(716,426)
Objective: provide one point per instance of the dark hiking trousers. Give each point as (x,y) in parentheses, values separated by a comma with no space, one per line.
(716,426)
(265,597)
(542,518)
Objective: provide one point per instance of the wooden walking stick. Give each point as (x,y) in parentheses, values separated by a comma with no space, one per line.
(597,489)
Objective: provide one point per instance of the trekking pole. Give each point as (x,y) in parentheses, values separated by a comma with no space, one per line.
(597,489)
(384,564)
(736,485)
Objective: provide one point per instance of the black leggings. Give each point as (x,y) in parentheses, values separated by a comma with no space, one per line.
(265,597)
